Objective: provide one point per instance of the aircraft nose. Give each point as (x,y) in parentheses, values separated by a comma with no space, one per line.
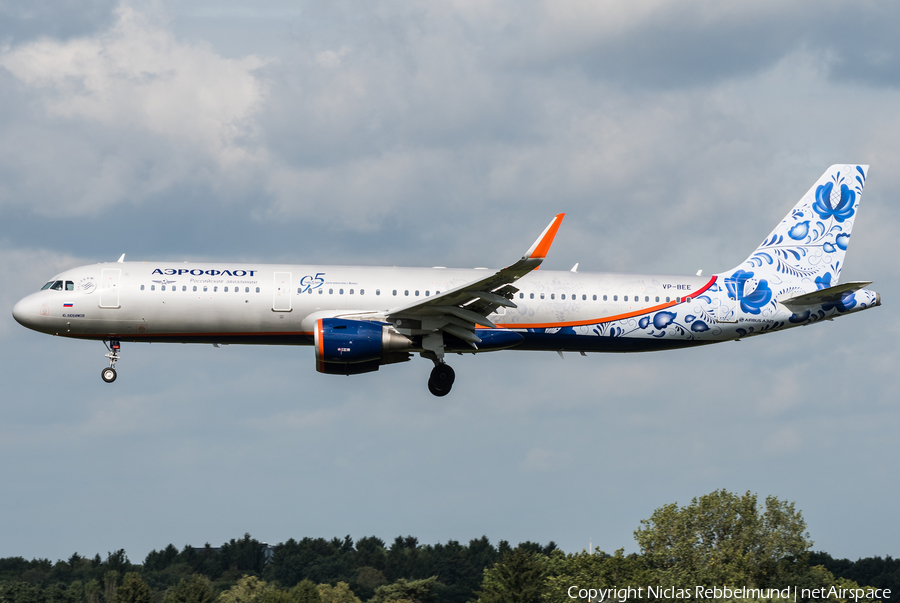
(21,311)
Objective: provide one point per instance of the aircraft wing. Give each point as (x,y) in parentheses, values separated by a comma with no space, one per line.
(458,310)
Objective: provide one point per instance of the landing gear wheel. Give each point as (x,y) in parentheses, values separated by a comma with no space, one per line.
(435,391)
(441,380)
(108,374)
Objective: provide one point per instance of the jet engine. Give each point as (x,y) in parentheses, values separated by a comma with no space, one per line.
(351,347)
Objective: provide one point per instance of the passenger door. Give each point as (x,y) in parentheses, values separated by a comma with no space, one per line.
(109,287)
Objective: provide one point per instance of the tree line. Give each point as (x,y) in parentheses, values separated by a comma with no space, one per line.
(718,539)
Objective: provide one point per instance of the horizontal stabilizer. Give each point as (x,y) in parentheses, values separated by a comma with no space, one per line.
(824,296)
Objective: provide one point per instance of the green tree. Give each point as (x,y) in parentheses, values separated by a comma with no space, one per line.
(517,578)
(110,586)
(133,590)
(92,591)
(196,589)
(304,592)
(75,592)
(723,538)
(415,591)
(250,589)
(21,592)
(593,570)
(340,593)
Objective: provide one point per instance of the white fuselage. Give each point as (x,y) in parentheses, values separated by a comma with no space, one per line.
(265,303)
(279,304)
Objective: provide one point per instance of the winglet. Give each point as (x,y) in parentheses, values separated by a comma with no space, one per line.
(539,250)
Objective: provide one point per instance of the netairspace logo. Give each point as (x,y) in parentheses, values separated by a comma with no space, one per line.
(599,595)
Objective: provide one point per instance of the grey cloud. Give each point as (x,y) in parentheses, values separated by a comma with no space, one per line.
(61,19)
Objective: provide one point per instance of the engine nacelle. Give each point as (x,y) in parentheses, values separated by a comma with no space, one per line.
(350,347)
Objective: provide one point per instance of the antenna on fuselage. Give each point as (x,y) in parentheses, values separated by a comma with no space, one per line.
(121,259)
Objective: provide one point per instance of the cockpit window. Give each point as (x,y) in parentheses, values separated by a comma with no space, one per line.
(55,285)
(47,286)
(70,286)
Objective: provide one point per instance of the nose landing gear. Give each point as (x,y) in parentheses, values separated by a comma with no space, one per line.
(441,379)
(109,373)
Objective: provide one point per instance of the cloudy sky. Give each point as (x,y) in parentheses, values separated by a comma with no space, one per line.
(674,134)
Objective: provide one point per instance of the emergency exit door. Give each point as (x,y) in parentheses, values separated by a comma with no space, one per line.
(282,300)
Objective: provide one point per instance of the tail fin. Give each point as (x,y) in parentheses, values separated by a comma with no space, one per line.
(806,250)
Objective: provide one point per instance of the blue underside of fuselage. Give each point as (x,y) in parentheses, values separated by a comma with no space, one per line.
(548,342)
(565,342)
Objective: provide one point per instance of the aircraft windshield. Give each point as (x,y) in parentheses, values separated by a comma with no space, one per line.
(56,286)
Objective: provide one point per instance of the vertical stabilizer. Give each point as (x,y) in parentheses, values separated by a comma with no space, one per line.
(806,250)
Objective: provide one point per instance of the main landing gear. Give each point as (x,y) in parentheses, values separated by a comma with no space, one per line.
(441,379)
(109,373)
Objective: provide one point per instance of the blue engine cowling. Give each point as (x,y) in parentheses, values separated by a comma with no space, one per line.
(350,347)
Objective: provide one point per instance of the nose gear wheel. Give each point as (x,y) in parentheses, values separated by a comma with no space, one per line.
(109,374)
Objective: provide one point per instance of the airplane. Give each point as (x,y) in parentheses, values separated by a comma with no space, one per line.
(360,318)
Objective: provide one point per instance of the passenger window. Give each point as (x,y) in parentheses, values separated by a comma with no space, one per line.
(417,293)
(553,296)
(646,298)
(153,287)
(542,296)
(406,292)
(204,288)
(395,292)
(225,289)
(521,296)
(162,288)
(299,290)
(563,296)
(657,298)
(340,291)
(215,289)
(625,298)
(331,292)
(427,293)
(184,287)
(532,296)
(615,298)
(257,290)
(362,291)
(584,297)
(667,299)
(687,299)
(437,292)
(237,289)
(70,286)
(142,287)
(321,291)
(377,291)
(351,291)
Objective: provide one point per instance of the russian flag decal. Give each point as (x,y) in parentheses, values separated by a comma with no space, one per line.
(67,305)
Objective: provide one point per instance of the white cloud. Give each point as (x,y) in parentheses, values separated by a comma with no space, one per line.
(156,112)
